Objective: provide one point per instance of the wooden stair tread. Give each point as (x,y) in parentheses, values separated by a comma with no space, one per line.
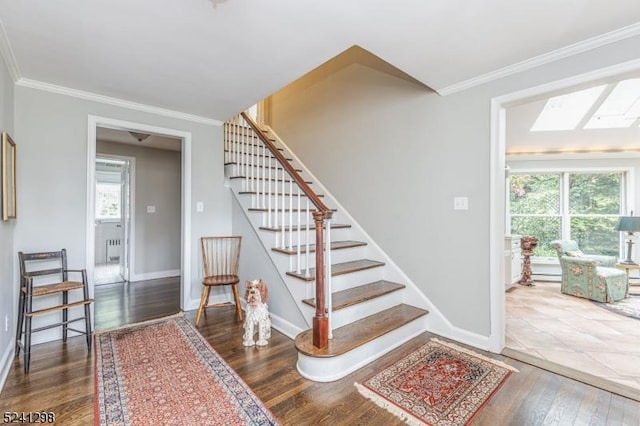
(303,227)
(272,179)
(265,210)
(279,194)
(335,245)
(359,294)
(41,290)
(358,333)
(59,307)
(340,269)
(260,166)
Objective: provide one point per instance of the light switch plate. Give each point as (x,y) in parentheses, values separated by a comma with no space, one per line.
(461,203)
(151,209)
(199,206)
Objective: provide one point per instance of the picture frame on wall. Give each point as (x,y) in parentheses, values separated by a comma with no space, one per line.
(8,176)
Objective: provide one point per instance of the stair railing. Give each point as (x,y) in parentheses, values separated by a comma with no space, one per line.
(279,190)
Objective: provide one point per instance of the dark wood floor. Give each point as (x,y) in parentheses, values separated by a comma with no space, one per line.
(61,380)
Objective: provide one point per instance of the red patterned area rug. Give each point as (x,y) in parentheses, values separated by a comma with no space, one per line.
(438,384)
(163,372)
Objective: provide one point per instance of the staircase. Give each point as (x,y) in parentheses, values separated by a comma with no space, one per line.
(360,298)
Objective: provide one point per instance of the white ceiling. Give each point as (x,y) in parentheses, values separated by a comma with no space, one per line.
(520,119)
(213,58)
(153,141)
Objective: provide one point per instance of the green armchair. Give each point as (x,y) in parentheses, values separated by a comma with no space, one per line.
(590,276)
(570,248)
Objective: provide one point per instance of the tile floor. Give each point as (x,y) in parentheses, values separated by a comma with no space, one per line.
(573,332)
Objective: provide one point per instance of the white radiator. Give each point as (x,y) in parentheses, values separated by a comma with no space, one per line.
(114,248)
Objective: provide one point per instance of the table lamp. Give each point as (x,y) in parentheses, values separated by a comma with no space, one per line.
(628,224)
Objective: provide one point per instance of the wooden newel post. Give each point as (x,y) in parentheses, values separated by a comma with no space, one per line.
(320,321)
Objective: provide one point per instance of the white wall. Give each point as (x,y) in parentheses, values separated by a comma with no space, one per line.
(8,258)
(157,183)
(395,155)
(51,133)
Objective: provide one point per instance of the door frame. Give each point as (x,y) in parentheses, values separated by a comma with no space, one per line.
(497,190)
(128,244)
(185,250)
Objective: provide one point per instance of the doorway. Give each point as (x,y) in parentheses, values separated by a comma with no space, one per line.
(113,213)
(140,258)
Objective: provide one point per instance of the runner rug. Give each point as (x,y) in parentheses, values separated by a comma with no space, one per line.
(164,372)
(438,384)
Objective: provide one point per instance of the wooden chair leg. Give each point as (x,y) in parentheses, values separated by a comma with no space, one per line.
(20,323)
(204,298)
(87,326)
(27,344)
(65,315)
(236,297)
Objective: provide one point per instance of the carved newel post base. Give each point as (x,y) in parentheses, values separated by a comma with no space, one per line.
(528,245)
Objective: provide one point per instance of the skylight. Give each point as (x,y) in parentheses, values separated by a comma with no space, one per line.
(620,109)
(565,112)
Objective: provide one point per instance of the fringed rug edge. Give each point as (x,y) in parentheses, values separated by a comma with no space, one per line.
(389,406)
(135,324)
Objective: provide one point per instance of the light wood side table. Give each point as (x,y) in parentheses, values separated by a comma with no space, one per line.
(627,267)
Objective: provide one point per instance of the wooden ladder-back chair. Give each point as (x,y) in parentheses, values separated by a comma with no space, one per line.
(220,261)
(52,278)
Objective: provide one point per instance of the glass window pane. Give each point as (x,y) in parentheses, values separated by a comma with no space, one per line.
(107,201)
(545,229)
(564,112)
(535,194)
(595,193)
(595,235)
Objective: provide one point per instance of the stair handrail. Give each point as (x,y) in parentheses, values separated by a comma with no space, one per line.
(322,213)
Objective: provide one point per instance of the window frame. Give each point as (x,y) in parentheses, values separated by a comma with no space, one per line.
(626,197)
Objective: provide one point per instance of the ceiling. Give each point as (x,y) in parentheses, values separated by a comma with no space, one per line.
(579,136)
(153,141)
(213,58)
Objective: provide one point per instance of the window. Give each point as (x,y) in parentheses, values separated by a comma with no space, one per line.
(107,201)
(582,206)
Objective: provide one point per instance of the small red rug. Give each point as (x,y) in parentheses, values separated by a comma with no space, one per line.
(438,384)
(164,372)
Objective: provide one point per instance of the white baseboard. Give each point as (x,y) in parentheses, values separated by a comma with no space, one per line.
(155,275)
(285,327)
(5,363)
(193,304)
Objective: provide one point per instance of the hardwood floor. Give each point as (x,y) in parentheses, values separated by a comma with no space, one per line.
(61,381)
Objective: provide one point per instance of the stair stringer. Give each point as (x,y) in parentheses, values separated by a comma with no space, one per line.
(435,322)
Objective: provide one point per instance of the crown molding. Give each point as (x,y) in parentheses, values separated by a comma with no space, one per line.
(89,96)
(7,55)
(564,52)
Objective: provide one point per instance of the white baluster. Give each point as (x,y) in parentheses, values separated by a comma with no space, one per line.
(269,196)
(327,275)
(284,199)
(290,212)
(307,238)
(299,255)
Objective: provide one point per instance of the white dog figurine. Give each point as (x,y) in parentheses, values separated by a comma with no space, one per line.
(257,313)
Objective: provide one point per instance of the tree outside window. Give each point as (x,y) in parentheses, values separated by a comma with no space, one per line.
(578,206)
(108,201)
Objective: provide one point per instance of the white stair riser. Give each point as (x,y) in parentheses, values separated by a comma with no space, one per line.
(361,310)
(334,368)
(262,186)
(275,238)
